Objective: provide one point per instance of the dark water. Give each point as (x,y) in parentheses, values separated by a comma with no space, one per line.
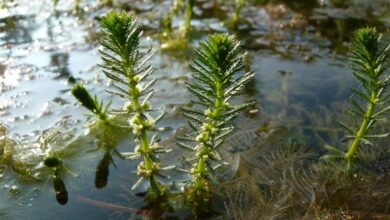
(297,49)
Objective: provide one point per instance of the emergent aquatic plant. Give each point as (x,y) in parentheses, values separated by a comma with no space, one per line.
(369,65)
(188,17)
(92,104)
(184,31)
(237,12)
(216,70)
(125,66)
(167,21)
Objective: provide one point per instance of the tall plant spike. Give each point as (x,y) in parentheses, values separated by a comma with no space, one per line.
(125,66)
(369,66)
(217,72)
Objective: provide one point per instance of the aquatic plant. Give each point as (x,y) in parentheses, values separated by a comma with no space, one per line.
(369,66)
(279,187)
(239,4)
(107,2)
(6,145)
(125,66)
(92,104)
(188,17)
(185,30)
(167,21)
(216,71)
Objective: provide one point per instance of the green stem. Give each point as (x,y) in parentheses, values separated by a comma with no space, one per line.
(218,108)
(187,24)
(201,169)
(237,12)
(143,136)
(145,148)
(363,128)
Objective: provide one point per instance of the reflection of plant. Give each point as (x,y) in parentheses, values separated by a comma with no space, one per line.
(56,164)
(216,70)
(369,65)
(102,171)
(60,190)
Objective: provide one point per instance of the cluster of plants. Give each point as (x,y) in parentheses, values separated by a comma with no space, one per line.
(218,76)
(185,8)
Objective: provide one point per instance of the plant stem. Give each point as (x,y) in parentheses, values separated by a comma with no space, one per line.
(237,12)
(366,120)
(145,148)
(363,128)
(188,17)
(212,120)
(143,135)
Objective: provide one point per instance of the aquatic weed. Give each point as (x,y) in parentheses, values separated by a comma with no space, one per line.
(217,69)
(126,67)
(369,68)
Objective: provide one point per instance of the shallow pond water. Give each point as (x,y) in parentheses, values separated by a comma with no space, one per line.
(297,49)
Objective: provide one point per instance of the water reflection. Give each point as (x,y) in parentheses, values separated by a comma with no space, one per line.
(16,29)
(102,171)
(60,190)
(107,138)
(59,63)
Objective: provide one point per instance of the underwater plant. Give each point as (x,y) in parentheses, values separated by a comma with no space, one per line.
(216,70)
(369,66)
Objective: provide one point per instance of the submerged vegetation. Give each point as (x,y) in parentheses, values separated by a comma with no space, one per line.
(220,149)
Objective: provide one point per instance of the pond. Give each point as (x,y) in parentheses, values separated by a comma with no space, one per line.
(298,50)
